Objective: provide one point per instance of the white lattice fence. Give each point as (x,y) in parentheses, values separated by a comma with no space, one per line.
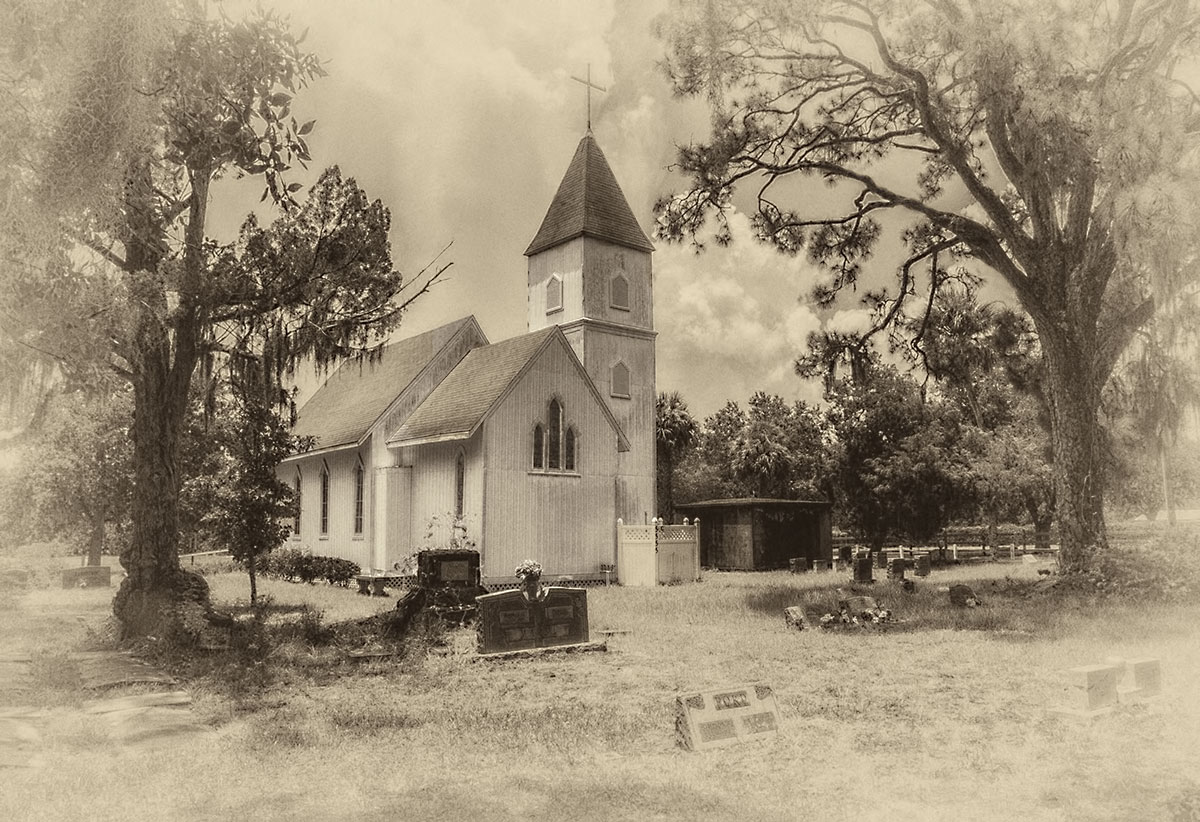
(651,554)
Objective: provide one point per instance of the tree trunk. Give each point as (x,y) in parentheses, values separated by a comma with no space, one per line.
(147,603)
(251,570)
(157,597)
(1167,489)
(1073,391)
(96,540)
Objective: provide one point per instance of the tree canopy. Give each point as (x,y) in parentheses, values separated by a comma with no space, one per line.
(120,140)
(1050,145)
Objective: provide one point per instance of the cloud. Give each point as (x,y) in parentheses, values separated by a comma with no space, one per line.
(731,321)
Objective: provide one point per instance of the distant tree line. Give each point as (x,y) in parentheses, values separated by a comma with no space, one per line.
(960,438)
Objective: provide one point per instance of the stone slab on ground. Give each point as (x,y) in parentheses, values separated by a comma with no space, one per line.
(714,719)
(139,720)
(535,653)
(108,669)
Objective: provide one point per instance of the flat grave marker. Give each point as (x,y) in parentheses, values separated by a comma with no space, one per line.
(1093,690)
(726,716)
(1139,678)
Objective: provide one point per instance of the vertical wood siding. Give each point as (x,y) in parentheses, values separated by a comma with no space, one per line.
(563,520)
(340,541)
(565,260)
(601,262)
(433,492)
(602,349)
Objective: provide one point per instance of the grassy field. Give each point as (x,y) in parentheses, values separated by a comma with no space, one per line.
(945,715)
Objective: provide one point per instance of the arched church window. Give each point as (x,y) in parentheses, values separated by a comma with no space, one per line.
(619,296)
(296,518)
(554,293)
(324,499)
(539,446)
(360,482)
(620,380)
(554,446)
(460,477)
(569,450)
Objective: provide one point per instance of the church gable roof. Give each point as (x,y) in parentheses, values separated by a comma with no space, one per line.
(589,201)
(460,404)
(343,411)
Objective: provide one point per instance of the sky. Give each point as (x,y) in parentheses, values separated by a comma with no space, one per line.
(461,116)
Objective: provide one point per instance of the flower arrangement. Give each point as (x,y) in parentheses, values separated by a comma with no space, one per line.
(529,569)
(862,619)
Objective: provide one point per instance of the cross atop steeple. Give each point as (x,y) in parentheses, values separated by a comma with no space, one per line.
(590,85)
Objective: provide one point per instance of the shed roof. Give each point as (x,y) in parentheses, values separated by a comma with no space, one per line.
(589,201)
(749,502)
(357,394)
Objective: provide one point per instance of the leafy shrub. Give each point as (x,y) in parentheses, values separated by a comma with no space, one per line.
(341,571)
(296,566)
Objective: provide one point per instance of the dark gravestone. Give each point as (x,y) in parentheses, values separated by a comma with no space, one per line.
(862,569)
(963,595)
(844,553)
(881,559)
(895,568)
(448,568)
(713,719)
(87,576)
(510,622)
(921,565)
(799,565)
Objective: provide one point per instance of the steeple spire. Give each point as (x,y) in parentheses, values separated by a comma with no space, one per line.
(589,202)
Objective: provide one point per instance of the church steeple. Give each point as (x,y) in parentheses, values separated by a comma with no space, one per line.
(590,273)
(590,203)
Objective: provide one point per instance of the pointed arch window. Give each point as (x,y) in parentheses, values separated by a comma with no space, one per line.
(360,482)
(569,450)
(296,518)
(460,481)
(324,499)
(619,292)
(620,380)
(554,294)
(554,436)
(539,446)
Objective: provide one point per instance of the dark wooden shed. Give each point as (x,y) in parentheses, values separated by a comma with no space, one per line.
(753,534)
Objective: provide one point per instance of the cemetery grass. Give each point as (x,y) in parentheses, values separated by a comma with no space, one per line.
(944,715)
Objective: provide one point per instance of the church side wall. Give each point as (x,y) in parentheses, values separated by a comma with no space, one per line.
(433,469)
(636,414)
(565,260)
(340,539)
(564,520)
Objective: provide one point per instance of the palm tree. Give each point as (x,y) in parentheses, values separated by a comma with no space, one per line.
(674,430)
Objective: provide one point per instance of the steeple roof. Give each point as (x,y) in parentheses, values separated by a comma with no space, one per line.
(589,202)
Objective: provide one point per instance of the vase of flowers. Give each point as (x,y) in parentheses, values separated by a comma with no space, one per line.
(530,575)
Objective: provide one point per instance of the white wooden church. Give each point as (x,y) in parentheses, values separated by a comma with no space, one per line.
(537,444)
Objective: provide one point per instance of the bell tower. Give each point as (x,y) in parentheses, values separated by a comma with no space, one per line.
(590,273)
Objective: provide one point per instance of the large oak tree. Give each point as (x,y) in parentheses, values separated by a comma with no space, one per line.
(1052,143)
(128,114)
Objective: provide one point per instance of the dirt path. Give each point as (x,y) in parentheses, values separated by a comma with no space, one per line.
(50,690)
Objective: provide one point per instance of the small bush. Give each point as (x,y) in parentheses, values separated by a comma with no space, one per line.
(296,566)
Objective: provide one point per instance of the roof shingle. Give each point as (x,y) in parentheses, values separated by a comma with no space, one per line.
(343,410)
(460,402)
(589,202)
